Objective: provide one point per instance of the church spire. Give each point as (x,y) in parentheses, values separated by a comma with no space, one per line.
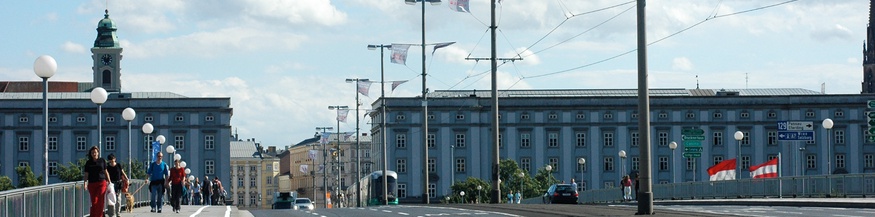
(869,53)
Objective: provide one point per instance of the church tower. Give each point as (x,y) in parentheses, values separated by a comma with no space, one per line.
(869,54)
(107,56)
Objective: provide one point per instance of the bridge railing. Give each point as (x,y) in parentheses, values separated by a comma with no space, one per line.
(61,199)
(846,185)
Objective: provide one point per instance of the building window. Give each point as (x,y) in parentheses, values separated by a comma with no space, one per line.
(53,119)
(500,141)
(400,117)
(609,184)
(402,190)
(240,182)
(663,163)
(840,160)
(746,139)
(663,115)
(635,161)
(609,139)
(23,164)
(771,156)
(772,114)
(839,113)
(179,118)
(582,186)
(718,115)
(691,115)
(179,142)
(773,138)
(460,165)
(553,162)
(209,118)
(553,116)
(401,165)
(663,138)
(525,140)
(401,140)
(839,136)
(553,139)
(744,115)
(53,168)
(252,199)
(634,116)
(460,140)
(460,116)
(110,143)
(430,116)
(581,116)
(148,118)
(745,162)
(609,164)
(608,116)
(634,139)
(81,143)
(252,182)
(23,143)
(430,140)
(526,164)
(210,167)
(432,190)
(691,163)
(80,119)
(53,143)
(811,161)
(240,199)
(581,167)
(110,119)
(868,161)
(809,114)
(718,138)
(22,119)
(581,139)
(432,167)
(717,160)
(147,142)
(209,142)
(524,116)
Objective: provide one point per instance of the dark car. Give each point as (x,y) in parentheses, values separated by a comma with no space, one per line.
(561,193)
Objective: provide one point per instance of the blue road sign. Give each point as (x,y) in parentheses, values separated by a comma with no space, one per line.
(795,135)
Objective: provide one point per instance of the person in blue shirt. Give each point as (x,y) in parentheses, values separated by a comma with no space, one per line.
(159,175)
(518,197)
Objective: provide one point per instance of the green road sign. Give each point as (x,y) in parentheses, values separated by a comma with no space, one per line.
(871,104)
(870,138)
(692,155)
(695,143)
(871,121)
(872,130)
(870,114)
(689,137)
(693,149)
(692,132)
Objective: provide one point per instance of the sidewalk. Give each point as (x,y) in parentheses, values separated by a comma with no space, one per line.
(868,203)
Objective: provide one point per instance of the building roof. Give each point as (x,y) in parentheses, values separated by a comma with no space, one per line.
(620,92)
(242,149)
(87,95)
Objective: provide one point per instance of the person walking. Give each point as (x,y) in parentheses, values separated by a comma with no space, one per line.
(205,190)
(518,197)
(116,174)
(196,191)
(186,192)
(627,188)
(218,190)
(177,176)
(158,178)
(96,178)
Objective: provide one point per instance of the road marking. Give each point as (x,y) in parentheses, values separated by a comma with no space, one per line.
(198,211)
(402,213)
(386,210)
(227,211)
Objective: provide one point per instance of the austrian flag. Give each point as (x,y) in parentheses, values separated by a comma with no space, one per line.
(725,170)
(765,170)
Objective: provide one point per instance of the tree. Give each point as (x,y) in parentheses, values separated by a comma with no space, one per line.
(469,186)
(26,177)
(544,179)
(71,172)
(6,183)
(139,170)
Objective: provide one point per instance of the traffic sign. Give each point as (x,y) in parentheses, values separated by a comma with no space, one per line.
(692,155)
(871,130)
(870,114)
(871,121)
(871,104)
(795,125)
(870,139)
(693,149)
(796,135)
(693,143)
(692,132)
(689,137)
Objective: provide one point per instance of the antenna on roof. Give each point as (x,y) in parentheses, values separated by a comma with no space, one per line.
(745,80)
(823,88)
(697,82)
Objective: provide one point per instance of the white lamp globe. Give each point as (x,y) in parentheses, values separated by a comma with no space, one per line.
(827,123)
(160,139)
(622,153)
(191,177)
(147,128)
(673,145)
(45,66)
(177,156)
(170,149)
(188,171)
(129,114)
(739,135)
(98,95)
(183,164)
(581,161)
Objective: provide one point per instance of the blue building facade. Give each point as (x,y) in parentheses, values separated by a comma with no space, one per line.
(558,127)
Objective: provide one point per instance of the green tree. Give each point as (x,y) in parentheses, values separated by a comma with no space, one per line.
(6,183)
(26,178)
(71,172)
(544,179)
(139,170)
(469,186)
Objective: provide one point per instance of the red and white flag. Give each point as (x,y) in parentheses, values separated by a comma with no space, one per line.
(765,170)
(724,170)
(399,53)
(395,84)
(364,87)
(459,6)
(341,115)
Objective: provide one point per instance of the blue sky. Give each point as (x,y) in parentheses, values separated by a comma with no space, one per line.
(283,62)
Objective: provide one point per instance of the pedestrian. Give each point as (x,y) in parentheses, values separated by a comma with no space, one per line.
(510,197)
(159,175)
(196,191)
(186,192)
(116,174)
(573,184)
(627,188)
(205,190)
(218,190)
(177,176)
(635,194)
(518,197)
(96,178)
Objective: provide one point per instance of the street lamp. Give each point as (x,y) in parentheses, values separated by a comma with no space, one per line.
(827,124)
(622,155)
(738,137)
(337,145)
(147,130)
(462,194)
(324,174)
(582,162)
(673,145)
(478,193)
(549,168)
(45,67)
(129,114)
(383,122)
(160,139)
(98,96)
(424,130)
(802,160)
(521,175)
(358,158)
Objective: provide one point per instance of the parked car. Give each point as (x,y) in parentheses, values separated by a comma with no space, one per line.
(561,193)
(304,204)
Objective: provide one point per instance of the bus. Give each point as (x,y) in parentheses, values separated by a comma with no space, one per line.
(372,189)
(284,200)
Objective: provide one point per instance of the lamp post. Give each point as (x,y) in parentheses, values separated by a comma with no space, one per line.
(324,174)
(147,130)
(827,124)
(337,145)
(462,194)
(622,155)
(802,160)
(582,162)
(358,158)
(129,114)
(424,130)
(478,193)
(549,169)
(738,137)
(160,139)
(98,96)
(521,175)
(383,122)
(45,67)
(673,145)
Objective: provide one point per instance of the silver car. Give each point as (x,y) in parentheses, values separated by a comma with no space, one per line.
(304,204)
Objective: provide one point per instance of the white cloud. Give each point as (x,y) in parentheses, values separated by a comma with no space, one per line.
(835,32)
(295,11)
(682,63)
(71,47)
(208,44)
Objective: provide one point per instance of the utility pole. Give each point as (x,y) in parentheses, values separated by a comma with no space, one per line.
(645,194)
(324,160)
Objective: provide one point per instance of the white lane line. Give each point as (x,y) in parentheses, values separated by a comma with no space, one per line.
(227,211)
(198,211)
(403,213)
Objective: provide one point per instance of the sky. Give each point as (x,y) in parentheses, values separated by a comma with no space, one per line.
(283,62)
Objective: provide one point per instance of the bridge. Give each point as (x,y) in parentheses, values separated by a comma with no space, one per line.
(847,190)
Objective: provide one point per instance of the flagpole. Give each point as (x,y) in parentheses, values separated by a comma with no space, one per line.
(780,180)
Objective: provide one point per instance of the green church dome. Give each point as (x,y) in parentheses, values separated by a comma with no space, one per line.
(106,36)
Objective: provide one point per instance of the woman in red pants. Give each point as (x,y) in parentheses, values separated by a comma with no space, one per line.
(96,178)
